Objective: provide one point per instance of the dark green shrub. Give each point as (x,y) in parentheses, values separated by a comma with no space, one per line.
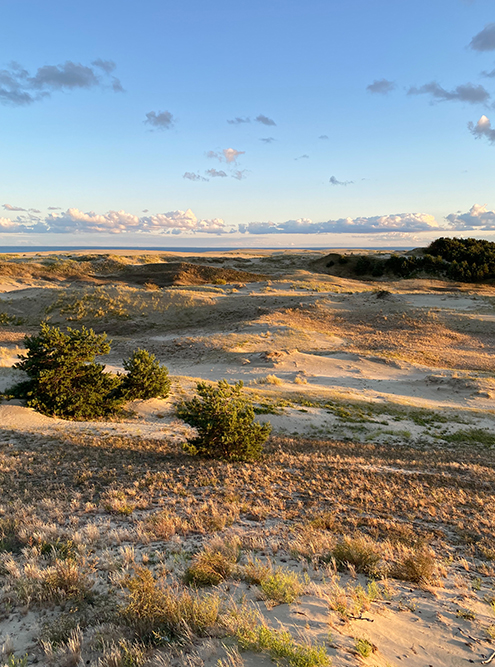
(145,377)
(64,379)
(224,420)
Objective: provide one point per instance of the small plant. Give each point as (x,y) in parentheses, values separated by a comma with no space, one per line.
(145,377)
(364,647)
(16,661)
(224,420)
(282,586)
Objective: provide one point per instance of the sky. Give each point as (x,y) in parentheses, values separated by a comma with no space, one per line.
(256,123)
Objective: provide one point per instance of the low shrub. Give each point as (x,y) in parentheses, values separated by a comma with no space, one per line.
(224,420)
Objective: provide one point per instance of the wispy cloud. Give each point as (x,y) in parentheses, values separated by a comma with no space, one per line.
(9,207)
(163,120)
(264,120)
(323,136)
(484,40)
(398,223)
(483,129)
(467,92)
(239,174)
(213,173)
(302,157)
(54,208)
(268,140)
(191,176)
(381,87)
(228,155)
(239,121)
(18,87)
(333,181)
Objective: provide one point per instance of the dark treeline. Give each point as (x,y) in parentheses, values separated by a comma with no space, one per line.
(467,260)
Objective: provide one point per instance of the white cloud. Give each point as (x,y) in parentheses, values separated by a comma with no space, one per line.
(483,128)
(74,221)
(478,218)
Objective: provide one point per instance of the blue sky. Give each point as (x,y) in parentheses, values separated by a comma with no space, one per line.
(364,123)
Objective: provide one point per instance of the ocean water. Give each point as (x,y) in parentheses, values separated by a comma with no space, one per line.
(190,249)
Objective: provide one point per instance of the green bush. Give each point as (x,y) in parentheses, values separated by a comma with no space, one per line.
(224,420)
(64,379)
(145,377)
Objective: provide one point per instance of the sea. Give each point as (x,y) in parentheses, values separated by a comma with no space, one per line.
(187,249)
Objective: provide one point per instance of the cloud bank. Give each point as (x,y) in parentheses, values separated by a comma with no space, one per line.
(74,221)
(19,88)
(401,222)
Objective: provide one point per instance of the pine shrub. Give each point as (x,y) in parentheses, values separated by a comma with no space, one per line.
(145,377)
(64,379)
(224,420)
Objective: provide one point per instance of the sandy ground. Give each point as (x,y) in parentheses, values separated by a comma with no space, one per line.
(319,356)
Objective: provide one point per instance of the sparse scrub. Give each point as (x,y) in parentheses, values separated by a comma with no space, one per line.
(360,552)
(209,568)
(224,420)
(153,609)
